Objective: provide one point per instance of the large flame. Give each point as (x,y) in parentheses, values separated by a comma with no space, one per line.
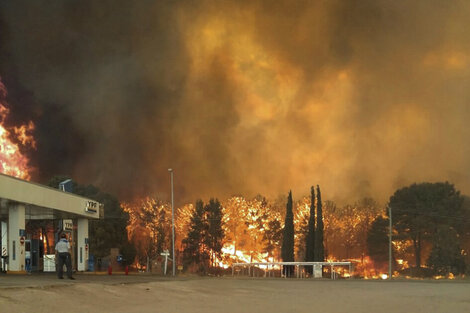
(12,161)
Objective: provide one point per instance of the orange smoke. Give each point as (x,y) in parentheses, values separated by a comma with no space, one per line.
(12,161)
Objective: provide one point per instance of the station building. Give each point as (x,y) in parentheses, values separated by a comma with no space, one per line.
(32,217)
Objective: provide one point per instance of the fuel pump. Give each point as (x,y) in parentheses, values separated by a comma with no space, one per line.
(4,245)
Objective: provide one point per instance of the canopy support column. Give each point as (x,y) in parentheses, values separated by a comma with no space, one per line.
(16,237)
(82,244)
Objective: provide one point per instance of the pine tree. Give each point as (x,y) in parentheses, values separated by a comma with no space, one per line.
(319,255)
(446,256)
(215,233)
(287,250)
(194,249)
(418,211)
(377,242)
(310,242)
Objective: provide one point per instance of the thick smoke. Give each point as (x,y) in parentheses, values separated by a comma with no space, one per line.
(243,97)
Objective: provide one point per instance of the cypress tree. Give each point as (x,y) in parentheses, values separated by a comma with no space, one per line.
(310,242)
(319,255)
(287,250)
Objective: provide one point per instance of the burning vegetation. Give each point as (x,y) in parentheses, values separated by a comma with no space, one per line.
(252,230)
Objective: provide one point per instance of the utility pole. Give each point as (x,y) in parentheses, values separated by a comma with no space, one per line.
(390,243)
(172,222)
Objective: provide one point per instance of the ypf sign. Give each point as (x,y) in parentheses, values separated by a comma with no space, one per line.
(91,207)
(67,225)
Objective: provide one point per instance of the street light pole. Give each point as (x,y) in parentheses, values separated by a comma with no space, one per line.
(172,222)
(390,243)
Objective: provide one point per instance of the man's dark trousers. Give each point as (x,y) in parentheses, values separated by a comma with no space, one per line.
(64,258)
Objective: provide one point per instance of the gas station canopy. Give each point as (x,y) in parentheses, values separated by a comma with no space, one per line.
(46,202)
(22,200)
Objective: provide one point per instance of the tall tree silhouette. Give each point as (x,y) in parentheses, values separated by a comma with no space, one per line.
(319,248)
(377,242)
(287,250)
(195,252)
(215,232)
(310,242)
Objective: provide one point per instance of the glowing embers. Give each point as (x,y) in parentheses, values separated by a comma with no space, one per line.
(12,161)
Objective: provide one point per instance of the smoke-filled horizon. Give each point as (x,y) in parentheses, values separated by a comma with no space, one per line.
(242,97)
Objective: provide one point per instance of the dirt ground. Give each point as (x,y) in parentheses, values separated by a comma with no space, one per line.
(100,294)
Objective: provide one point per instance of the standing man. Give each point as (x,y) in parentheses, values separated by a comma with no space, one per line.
(62,252)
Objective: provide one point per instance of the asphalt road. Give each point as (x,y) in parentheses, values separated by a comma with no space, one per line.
(144,293)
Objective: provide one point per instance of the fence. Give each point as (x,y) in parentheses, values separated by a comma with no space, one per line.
(298,267)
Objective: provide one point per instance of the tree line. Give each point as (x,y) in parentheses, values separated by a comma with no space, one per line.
(430,230)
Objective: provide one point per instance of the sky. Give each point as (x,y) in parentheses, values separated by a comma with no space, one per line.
(242,97)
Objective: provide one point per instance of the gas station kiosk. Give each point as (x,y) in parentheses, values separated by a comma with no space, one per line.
(32,217)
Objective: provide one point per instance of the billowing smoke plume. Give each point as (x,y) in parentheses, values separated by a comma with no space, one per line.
(243,97)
